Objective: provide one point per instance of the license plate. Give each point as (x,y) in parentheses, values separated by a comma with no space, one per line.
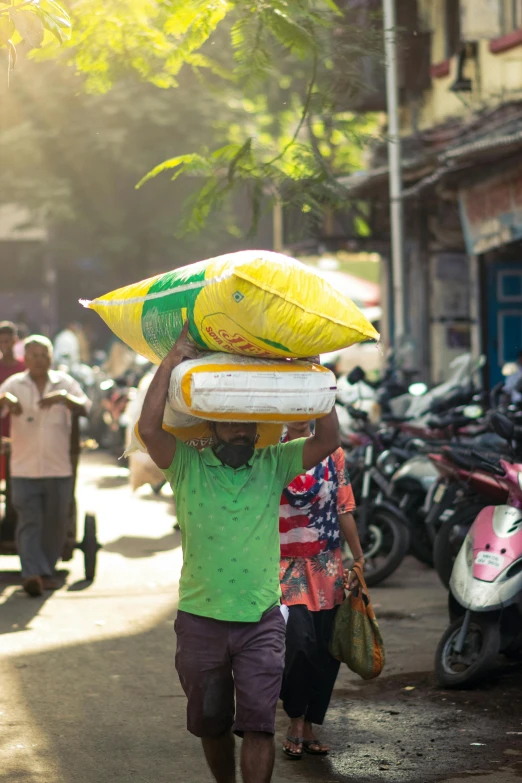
(489,559)
(439,493)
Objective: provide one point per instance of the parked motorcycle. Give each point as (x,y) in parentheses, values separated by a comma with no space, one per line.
(486,581)
(464,489)
(383,529)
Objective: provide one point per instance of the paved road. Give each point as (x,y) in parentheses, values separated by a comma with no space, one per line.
(89,693)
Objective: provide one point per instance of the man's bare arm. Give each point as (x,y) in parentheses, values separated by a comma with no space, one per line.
(161,445)
(323,442)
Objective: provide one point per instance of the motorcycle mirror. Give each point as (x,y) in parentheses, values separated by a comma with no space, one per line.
(473,411)
(356,375)
(417,389)
(502,426)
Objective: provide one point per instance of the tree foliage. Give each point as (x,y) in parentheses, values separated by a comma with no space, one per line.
(29,21)
(278,68)
(283,64)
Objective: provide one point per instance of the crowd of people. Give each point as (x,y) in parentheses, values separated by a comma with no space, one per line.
(262,575)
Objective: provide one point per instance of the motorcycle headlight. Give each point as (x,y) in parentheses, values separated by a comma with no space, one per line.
(387,463)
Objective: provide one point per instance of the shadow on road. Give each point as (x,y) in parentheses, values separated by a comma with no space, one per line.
(137,546)
(111,482)
(12,594)
(79,586)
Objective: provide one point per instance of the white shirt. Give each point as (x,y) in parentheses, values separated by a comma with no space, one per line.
(41,438)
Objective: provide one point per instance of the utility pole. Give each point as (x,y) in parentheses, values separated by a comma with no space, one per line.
(395,173)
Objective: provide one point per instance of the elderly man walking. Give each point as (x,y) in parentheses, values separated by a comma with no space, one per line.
(230,629)
(41,403)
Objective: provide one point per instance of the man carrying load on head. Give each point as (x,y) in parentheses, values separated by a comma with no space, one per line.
(230,630)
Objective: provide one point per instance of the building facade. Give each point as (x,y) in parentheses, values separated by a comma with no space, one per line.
(461,127)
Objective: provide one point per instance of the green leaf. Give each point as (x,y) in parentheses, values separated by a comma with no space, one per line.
(29,25)
(244,152)
(193,163)
(56,11)
(333,7)
(289,33)
(53,24)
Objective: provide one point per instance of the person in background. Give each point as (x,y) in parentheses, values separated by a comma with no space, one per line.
(229,627)
(510,386)
(18,350)
(9,364)
(315,508)
(41,402)
(67,348)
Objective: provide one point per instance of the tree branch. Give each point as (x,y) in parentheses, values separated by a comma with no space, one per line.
(304,113)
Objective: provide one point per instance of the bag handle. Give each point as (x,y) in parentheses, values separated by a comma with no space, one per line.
(358,570)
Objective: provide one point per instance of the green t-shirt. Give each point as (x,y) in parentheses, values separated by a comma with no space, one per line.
(229,522)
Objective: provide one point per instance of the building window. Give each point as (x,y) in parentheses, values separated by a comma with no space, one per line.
(510,15)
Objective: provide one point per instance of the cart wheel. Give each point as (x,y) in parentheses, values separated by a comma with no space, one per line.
(90,546)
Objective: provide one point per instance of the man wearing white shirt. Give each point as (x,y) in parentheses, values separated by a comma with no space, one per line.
(41,402)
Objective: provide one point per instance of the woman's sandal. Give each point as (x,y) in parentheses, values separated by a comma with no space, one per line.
(321,752)
(295,755)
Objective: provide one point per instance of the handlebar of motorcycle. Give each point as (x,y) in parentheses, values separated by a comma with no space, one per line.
(458,397)
(356,413)
(493,466)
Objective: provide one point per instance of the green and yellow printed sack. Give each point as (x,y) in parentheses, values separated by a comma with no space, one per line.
(251,303)
(357,640)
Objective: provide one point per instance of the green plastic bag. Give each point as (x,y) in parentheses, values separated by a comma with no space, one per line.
(356,639)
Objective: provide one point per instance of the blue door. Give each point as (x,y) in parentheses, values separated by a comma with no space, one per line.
(504,337)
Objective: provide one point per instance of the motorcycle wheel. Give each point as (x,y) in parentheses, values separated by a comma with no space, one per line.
(481,645)
(421,545)
(449,540)
(386,547)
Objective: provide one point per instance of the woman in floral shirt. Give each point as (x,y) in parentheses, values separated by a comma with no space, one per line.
(314,508)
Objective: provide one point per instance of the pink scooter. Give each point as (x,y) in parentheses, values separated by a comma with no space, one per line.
(486,581)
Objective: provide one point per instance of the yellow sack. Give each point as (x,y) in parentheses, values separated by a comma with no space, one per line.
(253,303)
(221,387)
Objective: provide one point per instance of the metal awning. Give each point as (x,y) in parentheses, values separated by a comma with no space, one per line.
(485,136)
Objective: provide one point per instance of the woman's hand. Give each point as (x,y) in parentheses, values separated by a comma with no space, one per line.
(351,582)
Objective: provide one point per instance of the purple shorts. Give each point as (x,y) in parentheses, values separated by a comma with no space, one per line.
(231,672)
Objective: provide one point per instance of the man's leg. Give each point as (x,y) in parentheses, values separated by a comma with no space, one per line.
(205,673)
(220,754)
(258,651)
(28,503)
(257,757)
(56,506)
